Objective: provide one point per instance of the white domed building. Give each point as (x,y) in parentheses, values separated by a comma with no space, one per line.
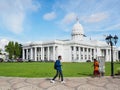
(77,32)
(78,49)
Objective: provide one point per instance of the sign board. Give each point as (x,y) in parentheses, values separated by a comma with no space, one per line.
(101,60)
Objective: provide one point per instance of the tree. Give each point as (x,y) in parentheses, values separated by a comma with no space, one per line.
(17,50)
(10,49)
(14,50)
(20,47)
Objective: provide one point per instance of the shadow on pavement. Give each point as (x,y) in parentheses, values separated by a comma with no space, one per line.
(83,74)
(117,77)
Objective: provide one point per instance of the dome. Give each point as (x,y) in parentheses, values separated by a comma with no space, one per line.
(77,31)
(77,28)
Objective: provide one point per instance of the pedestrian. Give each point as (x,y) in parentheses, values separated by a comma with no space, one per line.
(96,68)
(58,68)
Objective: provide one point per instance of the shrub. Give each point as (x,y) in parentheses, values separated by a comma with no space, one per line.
(118,70)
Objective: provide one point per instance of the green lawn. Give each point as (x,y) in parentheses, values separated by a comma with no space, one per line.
(42,69)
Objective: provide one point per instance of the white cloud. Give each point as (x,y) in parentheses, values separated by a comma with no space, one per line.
(13,13)
(69,18)
(3,42)
(14,22)
(68,5)
(66,22)
(97,17)
(113,27)
(50,16)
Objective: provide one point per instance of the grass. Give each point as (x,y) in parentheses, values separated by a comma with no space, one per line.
(42,69)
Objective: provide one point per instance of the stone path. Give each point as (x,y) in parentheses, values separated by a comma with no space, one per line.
(81,83)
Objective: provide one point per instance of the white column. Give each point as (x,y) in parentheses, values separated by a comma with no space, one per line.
(27,54)
(70,54)
(94,52)
(83,53)
(87,53)
(90,53)
(110,55)
(114,54)
(38,54)
(35,53)
(117,54)
(23,54)
(79,53)
(31,54)
(48,54)
(81,49)
(42,53)
(107,56)
(54,53)
(74,53)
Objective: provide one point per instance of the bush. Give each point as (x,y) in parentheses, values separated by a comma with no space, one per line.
(1,60)
(118,71)
(88,61)
(118,61)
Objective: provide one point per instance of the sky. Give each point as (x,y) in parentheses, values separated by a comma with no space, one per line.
(41,20)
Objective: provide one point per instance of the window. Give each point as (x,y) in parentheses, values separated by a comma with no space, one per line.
(96,50)
(72,48)
(77,48)
(89,56)
(88,49)
(72,56)
(40,57)
(92,52)
(81,56)
(45,49)
(85,56)
(81,49)
(77,56)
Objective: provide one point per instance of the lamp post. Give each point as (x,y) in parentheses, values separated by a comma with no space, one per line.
(111,41)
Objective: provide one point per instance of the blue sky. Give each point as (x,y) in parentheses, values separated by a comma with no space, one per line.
(40,20)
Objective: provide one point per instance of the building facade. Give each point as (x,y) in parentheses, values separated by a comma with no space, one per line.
(78,49)
(118,53)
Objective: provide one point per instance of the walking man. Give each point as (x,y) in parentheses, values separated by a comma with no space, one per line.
(58,68)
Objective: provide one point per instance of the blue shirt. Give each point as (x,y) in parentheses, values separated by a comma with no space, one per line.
(58,65)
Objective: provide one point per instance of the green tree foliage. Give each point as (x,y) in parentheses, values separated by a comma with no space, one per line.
(8,48)
(20,48)
(14,50)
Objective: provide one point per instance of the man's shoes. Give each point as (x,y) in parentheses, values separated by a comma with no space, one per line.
(52,81)
(62,82)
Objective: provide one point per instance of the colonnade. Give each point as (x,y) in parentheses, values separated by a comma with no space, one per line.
(39,53)
(78,53)
(81,54)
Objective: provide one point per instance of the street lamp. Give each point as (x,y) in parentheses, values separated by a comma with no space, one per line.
(111,41)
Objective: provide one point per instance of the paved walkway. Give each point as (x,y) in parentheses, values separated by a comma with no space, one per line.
(88,83)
